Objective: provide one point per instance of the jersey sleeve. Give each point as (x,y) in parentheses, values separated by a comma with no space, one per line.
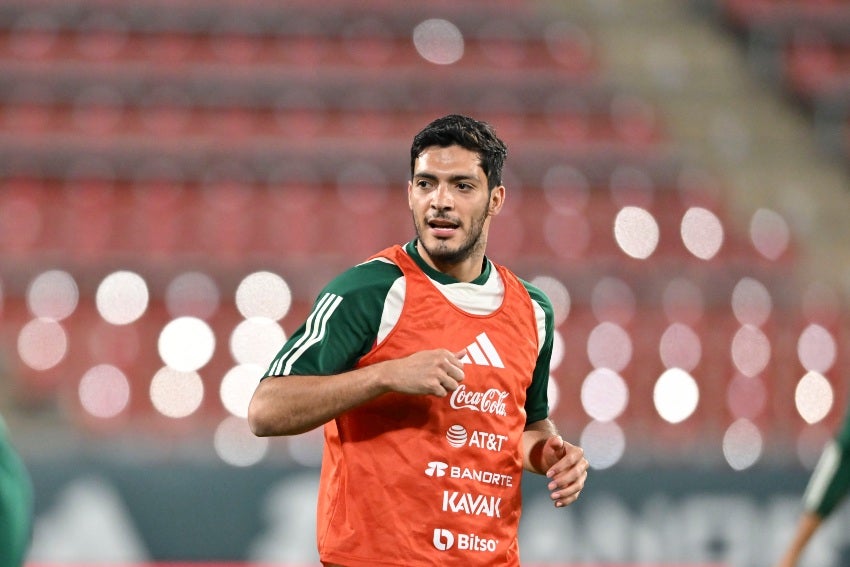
(537,399)
(342,324)
(830,481)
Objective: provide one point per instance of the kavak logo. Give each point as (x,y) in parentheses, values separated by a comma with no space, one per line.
(482,352)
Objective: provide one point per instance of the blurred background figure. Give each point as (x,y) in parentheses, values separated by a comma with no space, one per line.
(16,505)
(827,488)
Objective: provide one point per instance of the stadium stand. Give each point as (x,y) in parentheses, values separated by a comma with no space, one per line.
(229,137)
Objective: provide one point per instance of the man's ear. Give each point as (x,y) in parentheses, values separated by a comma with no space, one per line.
(497,199)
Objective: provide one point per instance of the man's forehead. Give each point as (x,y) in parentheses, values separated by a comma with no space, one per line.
(449,157)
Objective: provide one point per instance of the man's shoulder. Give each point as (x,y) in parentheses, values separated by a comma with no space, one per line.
(376,275)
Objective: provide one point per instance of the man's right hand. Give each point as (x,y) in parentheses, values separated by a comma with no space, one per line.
(429,372)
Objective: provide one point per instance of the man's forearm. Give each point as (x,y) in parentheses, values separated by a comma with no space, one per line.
(289,405)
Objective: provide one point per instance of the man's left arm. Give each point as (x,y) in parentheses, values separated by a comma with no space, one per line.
(545,452)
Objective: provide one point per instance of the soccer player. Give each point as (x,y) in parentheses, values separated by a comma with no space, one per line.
(827,487)
(15,504)
(427,364)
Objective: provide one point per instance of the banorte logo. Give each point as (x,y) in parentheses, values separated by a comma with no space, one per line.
(444,540)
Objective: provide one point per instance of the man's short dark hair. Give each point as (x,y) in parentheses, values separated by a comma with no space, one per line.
(466,132)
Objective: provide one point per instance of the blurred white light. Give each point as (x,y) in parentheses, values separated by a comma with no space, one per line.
(683,301)
(263,294)
(816,349)
(751,302)
(122,297)
(256,341)
(306,449)
(604,394)
(176,394)
(742,444)
(769,233)
(236,445)
(636,232)
(553,393)
(702,233)
(192,294)
(42,344)
(613,300)
(746,397)
(609,346)
(104,391)
(604,444)
(566,188)
(750,350)
(680,347)
(813,397)
(675,395)
(186,344)
(238,386)
(558,294)
(53,295)
(438,41)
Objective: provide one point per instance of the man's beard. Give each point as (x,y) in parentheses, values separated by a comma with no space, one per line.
(442,254)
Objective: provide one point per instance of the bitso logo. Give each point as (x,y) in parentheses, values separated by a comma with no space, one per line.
(436,469)
(443,539)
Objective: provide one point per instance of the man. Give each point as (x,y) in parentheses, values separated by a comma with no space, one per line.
(827,487)
(15,504)
(428,367)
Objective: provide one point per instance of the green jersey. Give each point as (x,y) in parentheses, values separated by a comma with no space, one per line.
(830,480)
(15,504)
(358,309)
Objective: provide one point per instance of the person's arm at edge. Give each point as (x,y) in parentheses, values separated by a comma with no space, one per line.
(806,528)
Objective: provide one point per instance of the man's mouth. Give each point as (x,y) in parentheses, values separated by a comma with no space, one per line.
(442,226)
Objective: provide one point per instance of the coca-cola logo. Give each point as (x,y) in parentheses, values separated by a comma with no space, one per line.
(491,401)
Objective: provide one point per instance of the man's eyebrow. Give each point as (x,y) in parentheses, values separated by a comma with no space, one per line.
(453,178)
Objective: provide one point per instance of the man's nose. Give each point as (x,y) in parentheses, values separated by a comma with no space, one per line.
(442,197)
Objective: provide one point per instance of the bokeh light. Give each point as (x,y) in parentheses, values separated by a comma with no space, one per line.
(558,294)
(192,294)
(186,344)
(636,232)
(816,349)
(122,297)
(604,444)
(609,346)
(769,233)
(176,394)
(53,295)
(438,41)
(263,294)
(751,302)
(236,445)
(238,386)
(702,233)
(675,395)
(742,444)
(256,340)
(42,344)
(680,347)
(813,397)
(750,350)
(612,299)
(604,395)
(104,391)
